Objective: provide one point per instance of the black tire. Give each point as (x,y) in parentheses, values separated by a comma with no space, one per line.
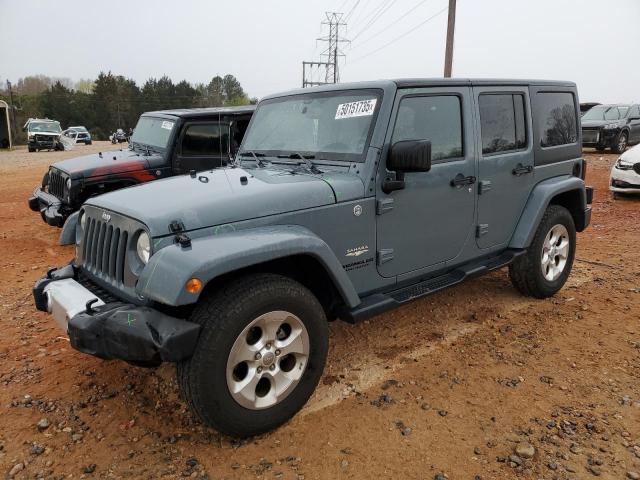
(601,149)
(31,149)
(621,142)
(88,143)
(526,270)
(223,315)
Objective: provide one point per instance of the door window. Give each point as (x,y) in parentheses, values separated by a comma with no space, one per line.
(502,123)
(635,112)
(434,118)
(557,119)
(205,140)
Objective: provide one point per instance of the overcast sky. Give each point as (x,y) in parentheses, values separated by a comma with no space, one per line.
(263,43)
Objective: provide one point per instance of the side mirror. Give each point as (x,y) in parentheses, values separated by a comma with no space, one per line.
(410,156)
(407,156)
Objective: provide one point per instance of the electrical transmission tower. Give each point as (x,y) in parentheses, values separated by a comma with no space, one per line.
(329,57)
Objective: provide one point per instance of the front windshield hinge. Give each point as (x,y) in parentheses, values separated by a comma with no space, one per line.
(181,238)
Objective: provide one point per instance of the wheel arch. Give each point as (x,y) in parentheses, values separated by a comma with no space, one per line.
(303,268)
(292,251)
(566,191)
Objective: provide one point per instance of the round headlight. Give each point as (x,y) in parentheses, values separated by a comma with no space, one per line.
(143,247)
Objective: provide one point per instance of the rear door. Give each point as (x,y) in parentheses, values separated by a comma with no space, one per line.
(506,165)
(202,146)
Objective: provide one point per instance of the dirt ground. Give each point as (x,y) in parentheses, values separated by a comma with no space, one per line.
(449,385)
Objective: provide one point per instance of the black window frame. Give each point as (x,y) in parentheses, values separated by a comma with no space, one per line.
(537,124)
(327,157)
(636,108)
(462,130)
(192,123)
(527,135)
(560,153)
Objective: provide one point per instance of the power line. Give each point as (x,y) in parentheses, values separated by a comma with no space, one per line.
(402,36)
(368,15)
(350,12)
(375,18)
(411,10)
(342,6)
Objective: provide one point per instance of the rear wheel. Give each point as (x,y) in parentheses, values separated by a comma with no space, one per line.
(32,149)
(620,144)
(544,268)
(261,351)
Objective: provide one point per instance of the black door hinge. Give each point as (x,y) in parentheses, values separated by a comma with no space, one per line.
(482,229)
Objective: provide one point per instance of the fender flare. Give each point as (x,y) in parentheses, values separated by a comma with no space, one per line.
(68,234)
(537,204)
(163,279)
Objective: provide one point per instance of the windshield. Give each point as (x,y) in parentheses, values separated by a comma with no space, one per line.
(606,112)
(328,125)
(152,131)
(52,127)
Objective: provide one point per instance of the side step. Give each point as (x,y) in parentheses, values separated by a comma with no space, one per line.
(381,302)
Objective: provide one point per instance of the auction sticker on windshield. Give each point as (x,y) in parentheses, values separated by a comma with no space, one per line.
(167,125)
(361,108)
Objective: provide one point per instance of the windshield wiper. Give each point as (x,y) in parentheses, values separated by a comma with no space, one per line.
(251,153)
(305,158)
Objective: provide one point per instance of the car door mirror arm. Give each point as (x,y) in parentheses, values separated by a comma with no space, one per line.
(392,184)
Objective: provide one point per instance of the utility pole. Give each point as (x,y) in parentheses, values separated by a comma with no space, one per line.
(451,26)
(13,114)
(329,57)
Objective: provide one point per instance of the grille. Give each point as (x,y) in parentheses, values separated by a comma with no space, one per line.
(44,138)
(56,184)
(103,250)
(590,136)
(636,168)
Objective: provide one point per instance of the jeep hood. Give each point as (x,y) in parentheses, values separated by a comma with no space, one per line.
(227,195)
(107,163)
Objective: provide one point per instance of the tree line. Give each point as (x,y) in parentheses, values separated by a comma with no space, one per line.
(113,101)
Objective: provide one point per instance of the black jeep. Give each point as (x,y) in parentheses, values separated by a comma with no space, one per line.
(164,143)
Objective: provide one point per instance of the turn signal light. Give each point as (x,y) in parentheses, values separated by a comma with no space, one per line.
(194,285)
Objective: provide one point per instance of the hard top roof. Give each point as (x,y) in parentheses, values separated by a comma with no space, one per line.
(204,112)
(425,82)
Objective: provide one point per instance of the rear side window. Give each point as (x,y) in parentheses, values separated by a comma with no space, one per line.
(557,121)
(434,118)
(502,122)
(205,139)
(635,112)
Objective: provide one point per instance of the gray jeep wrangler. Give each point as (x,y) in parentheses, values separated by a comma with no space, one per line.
(345,201)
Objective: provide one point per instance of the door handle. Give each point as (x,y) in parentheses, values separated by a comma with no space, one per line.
(522,170)
(460,181)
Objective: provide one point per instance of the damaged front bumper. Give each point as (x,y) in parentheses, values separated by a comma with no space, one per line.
(49,206)
(111,329)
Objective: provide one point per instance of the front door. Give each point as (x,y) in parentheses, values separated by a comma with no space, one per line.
(202,146)
(634,124)
(506,165)
(430,220)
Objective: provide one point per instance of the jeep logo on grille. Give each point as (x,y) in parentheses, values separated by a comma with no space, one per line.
(106,217)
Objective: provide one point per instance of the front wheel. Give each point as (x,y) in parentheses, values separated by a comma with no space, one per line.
(544,268)
(261,351)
